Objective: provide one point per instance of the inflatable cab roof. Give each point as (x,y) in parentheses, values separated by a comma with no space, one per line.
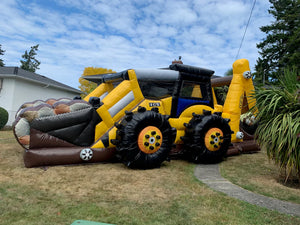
(168,74)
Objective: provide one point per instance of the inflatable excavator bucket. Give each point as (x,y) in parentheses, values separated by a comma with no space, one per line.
(58,131)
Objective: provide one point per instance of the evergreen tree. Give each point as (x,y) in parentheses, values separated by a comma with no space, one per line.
(30,63)
(281,47)
(229,72)
(1,53)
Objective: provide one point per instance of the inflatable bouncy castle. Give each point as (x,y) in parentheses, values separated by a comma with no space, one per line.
(141,117)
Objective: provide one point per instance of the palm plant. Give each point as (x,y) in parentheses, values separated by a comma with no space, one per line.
(279,122)
(221,93)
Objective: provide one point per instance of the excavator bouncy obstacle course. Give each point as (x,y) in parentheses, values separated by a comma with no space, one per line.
(141,117)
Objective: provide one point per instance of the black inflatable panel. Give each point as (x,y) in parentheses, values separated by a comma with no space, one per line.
(191,69)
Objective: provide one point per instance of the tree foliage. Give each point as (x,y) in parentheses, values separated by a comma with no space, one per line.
(1,53)
(279,122)
(30,63)
(281,47)
(221,92)
(88,86)
(229,72)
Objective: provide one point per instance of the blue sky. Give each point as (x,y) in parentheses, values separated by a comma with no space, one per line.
(123,34)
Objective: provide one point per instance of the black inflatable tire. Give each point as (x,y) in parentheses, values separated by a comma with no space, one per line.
(128,132)
(195,143)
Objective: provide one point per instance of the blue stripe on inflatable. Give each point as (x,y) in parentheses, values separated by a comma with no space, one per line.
(183,103)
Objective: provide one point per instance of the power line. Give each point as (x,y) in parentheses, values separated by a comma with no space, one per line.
(245,30)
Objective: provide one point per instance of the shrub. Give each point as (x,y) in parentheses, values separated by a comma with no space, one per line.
(279,122)
(3,117)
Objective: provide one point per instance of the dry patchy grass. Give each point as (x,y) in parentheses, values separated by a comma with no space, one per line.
(113,181)
(7,137)
(112,193)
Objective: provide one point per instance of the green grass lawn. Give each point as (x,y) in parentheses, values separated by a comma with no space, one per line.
(111,193)
(256,173)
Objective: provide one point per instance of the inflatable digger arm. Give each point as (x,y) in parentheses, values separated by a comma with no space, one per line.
(238,101)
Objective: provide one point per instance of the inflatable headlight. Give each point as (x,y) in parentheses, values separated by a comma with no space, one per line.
(239,135)
(247,75)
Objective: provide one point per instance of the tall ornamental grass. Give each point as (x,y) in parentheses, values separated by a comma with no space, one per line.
(279,122)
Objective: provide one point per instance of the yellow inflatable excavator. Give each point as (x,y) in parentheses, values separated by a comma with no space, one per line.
(141,117)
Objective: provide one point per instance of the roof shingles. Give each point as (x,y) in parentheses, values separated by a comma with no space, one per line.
(20,73)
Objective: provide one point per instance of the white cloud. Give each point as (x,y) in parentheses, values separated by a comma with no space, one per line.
(178,13)
(74,34)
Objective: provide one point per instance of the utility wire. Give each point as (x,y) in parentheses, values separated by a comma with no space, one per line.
(245,30)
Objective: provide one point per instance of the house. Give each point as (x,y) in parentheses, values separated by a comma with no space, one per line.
(18,86)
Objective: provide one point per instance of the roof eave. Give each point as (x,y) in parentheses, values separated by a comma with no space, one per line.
(42,83)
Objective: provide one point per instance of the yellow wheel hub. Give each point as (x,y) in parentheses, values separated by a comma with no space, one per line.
(150,139)
(213,139)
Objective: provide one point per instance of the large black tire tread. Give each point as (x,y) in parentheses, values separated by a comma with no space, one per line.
(194,143)
(127,147)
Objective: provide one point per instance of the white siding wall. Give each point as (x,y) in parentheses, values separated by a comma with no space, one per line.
(6,97)
(16,92)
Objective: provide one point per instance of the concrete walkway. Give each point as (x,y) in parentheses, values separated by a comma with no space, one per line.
(210,175)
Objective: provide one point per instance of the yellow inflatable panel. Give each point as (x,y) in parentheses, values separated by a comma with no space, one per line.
(196,92)
(112,135)
(135,87)
(160,104)
(98,144)
(178,123)
(121,113)
(116,94)
(241,85)
(167,105)
(107,122)
(100,90)
(198,109)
